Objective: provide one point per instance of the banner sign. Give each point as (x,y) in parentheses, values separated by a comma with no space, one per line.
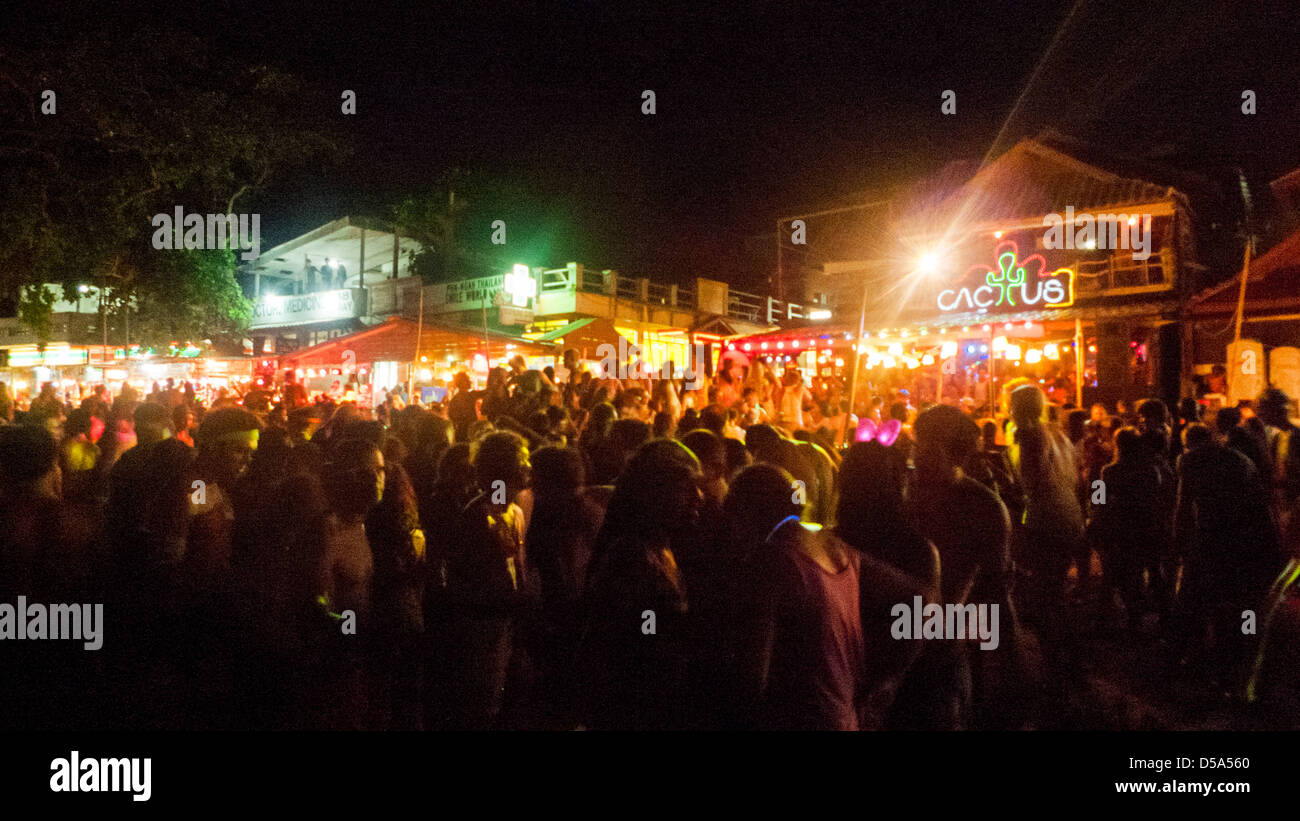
(465,294)
(300,309)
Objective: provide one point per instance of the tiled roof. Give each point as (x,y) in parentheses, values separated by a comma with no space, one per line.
(1026,182)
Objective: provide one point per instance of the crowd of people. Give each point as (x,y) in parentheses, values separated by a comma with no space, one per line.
(572,551)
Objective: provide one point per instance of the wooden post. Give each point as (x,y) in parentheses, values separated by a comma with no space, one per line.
(779,225)
(1241,294)
(993,376)
(419,331)
(857,358)
(1078,362)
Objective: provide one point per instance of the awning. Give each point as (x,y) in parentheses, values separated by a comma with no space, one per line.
(717,325)
(794,340)
(583,334)
(1272,288)
(560,333)
(402,340)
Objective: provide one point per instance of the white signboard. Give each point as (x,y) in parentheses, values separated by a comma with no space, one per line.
(511,315)
(465,294)
(1245,370)
(300,309)
(1284,370)
(517,289)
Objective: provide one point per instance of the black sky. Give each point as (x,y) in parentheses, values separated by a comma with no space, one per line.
(761,112)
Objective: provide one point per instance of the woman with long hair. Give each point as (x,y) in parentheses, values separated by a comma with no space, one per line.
(634,651)
(898,564)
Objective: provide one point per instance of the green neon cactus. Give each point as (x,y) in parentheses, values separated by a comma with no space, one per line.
(1007,275)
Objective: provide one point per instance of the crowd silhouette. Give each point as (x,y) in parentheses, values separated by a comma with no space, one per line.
(592,553)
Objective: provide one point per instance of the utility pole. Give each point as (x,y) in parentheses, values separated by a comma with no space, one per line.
(103,318)
(857,360)
(783,222)
(419,332)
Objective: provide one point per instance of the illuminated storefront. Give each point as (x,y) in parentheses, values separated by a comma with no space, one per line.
(423,356)
(1024,272)
(603,315)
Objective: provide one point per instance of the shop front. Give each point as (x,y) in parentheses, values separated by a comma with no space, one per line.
(1039,268)
(423,357)
(1009,319)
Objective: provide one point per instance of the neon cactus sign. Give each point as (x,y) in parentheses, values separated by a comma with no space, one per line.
(1009,286)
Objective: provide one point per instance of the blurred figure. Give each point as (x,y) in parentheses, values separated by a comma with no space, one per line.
(558,545)
(78,458)
(1273,408)
(45,555)
(1128,527)
(1052,531)
(1226,534)
(634,653)
(486,583)
(969,526)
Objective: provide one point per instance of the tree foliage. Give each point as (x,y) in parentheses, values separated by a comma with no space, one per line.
(143,125)
(36,310)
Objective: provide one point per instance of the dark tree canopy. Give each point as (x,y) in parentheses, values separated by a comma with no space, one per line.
(144,121)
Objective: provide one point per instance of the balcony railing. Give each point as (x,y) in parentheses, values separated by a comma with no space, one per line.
(740,305)
(1121,271)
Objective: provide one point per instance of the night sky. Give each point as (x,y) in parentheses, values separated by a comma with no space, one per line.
(760,114)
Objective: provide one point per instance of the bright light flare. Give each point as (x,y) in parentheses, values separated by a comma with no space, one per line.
(929,262)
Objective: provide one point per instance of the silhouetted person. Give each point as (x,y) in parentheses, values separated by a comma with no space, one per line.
(1129,526)
(873,519)
(1225,532)
(559,544)
(969,525)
